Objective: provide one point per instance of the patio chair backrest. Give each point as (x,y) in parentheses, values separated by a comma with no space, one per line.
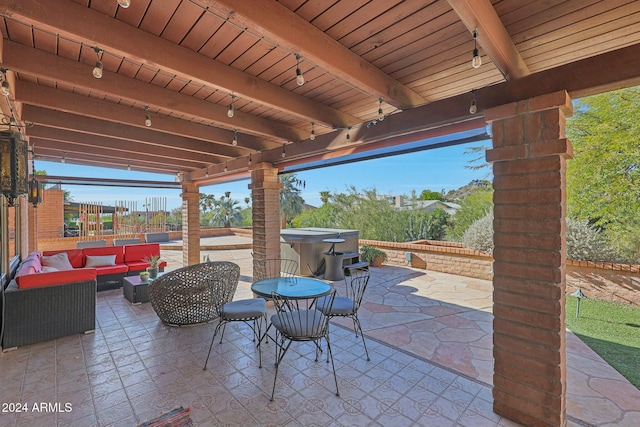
(356,287)
(274,267)
(298,322)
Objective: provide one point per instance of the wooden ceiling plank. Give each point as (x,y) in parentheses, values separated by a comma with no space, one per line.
(42,64)
(158,16)
(492,36)
(61,17)
(180,24)
(294,33)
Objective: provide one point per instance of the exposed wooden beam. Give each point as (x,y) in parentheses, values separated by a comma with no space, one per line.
(134,149)
(47,66)
(49,154)
(597,74)
(81,24)
(289,30)
(32,94)
(492,36)
(59,120)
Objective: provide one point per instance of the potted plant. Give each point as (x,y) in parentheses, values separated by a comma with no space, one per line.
(374,256)
(153,261)
(144,276)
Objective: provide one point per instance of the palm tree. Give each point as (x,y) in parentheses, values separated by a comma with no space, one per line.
(324,196)
(226,210)
(290,200)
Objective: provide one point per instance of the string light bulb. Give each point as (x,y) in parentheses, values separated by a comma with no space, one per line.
(97,70)
(225,167)
(348,133)
(299,76)
(147,118)
(231,110)
(124,3)
(129,165)
(380,112)
(473,108)
(235,138)
(64,157)
(250,159)
(476,62)
(284,153)
(313,132)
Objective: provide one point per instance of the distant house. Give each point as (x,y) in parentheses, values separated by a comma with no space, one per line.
(399,202)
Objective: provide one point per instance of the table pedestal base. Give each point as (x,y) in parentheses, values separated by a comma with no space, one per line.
(333,265)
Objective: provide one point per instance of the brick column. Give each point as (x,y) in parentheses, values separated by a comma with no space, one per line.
(265,194)
(529,164)
(190,224)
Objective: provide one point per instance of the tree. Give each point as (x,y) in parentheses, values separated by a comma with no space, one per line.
(472,207)
(226,211)
(431,195)
(290,200)
(324,196)
(603,179)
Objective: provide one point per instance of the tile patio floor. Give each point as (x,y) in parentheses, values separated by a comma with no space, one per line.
(429,337)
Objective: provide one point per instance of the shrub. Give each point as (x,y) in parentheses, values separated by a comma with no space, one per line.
(479,235)
(584,241)
(587,243)
(368,253)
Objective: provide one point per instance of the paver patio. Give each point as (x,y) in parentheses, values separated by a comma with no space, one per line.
(429,335)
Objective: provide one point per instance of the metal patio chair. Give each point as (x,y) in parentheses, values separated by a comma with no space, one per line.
(295,322)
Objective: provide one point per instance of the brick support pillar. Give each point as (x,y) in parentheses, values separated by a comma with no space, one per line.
(190,224)
(529,164)
(265,194)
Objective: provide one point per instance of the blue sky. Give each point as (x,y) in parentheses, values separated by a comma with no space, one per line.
(435,169)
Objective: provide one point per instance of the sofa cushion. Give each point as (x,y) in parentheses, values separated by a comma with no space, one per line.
(100,260)
(76,258)
(55,278)
(118,251)
(141,265)
(59,261)
(111,269)
(139,252)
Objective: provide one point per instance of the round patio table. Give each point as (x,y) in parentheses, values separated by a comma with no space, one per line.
(292,287)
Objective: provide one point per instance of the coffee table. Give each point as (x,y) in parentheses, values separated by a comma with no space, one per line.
(135,290)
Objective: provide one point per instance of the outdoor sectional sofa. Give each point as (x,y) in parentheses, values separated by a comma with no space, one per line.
(45,302)
(111,264)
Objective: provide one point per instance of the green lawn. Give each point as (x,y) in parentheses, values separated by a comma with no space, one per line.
(612,330)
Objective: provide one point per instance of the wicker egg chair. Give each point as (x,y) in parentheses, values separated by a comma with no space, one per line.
(183,296)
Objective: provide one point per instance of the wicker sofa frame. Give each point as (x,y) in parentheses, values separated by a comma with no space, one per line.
(183,296)
(43,313)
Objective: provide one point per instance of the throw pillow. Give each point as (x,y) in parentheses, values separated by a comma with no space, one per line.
(48,269)
(100,261)
(59,261)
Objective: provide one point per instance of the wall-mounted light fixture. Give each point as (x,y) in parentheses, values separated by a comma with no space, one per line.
(14,173)
(35,188)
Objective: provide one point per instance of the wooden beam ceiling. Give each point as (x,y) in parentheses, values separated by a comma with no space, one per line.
(492,36)
(276,22)
(118,38)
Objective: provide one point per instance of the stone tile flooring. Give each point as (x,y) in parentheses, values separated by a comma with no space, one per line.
(429,337)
